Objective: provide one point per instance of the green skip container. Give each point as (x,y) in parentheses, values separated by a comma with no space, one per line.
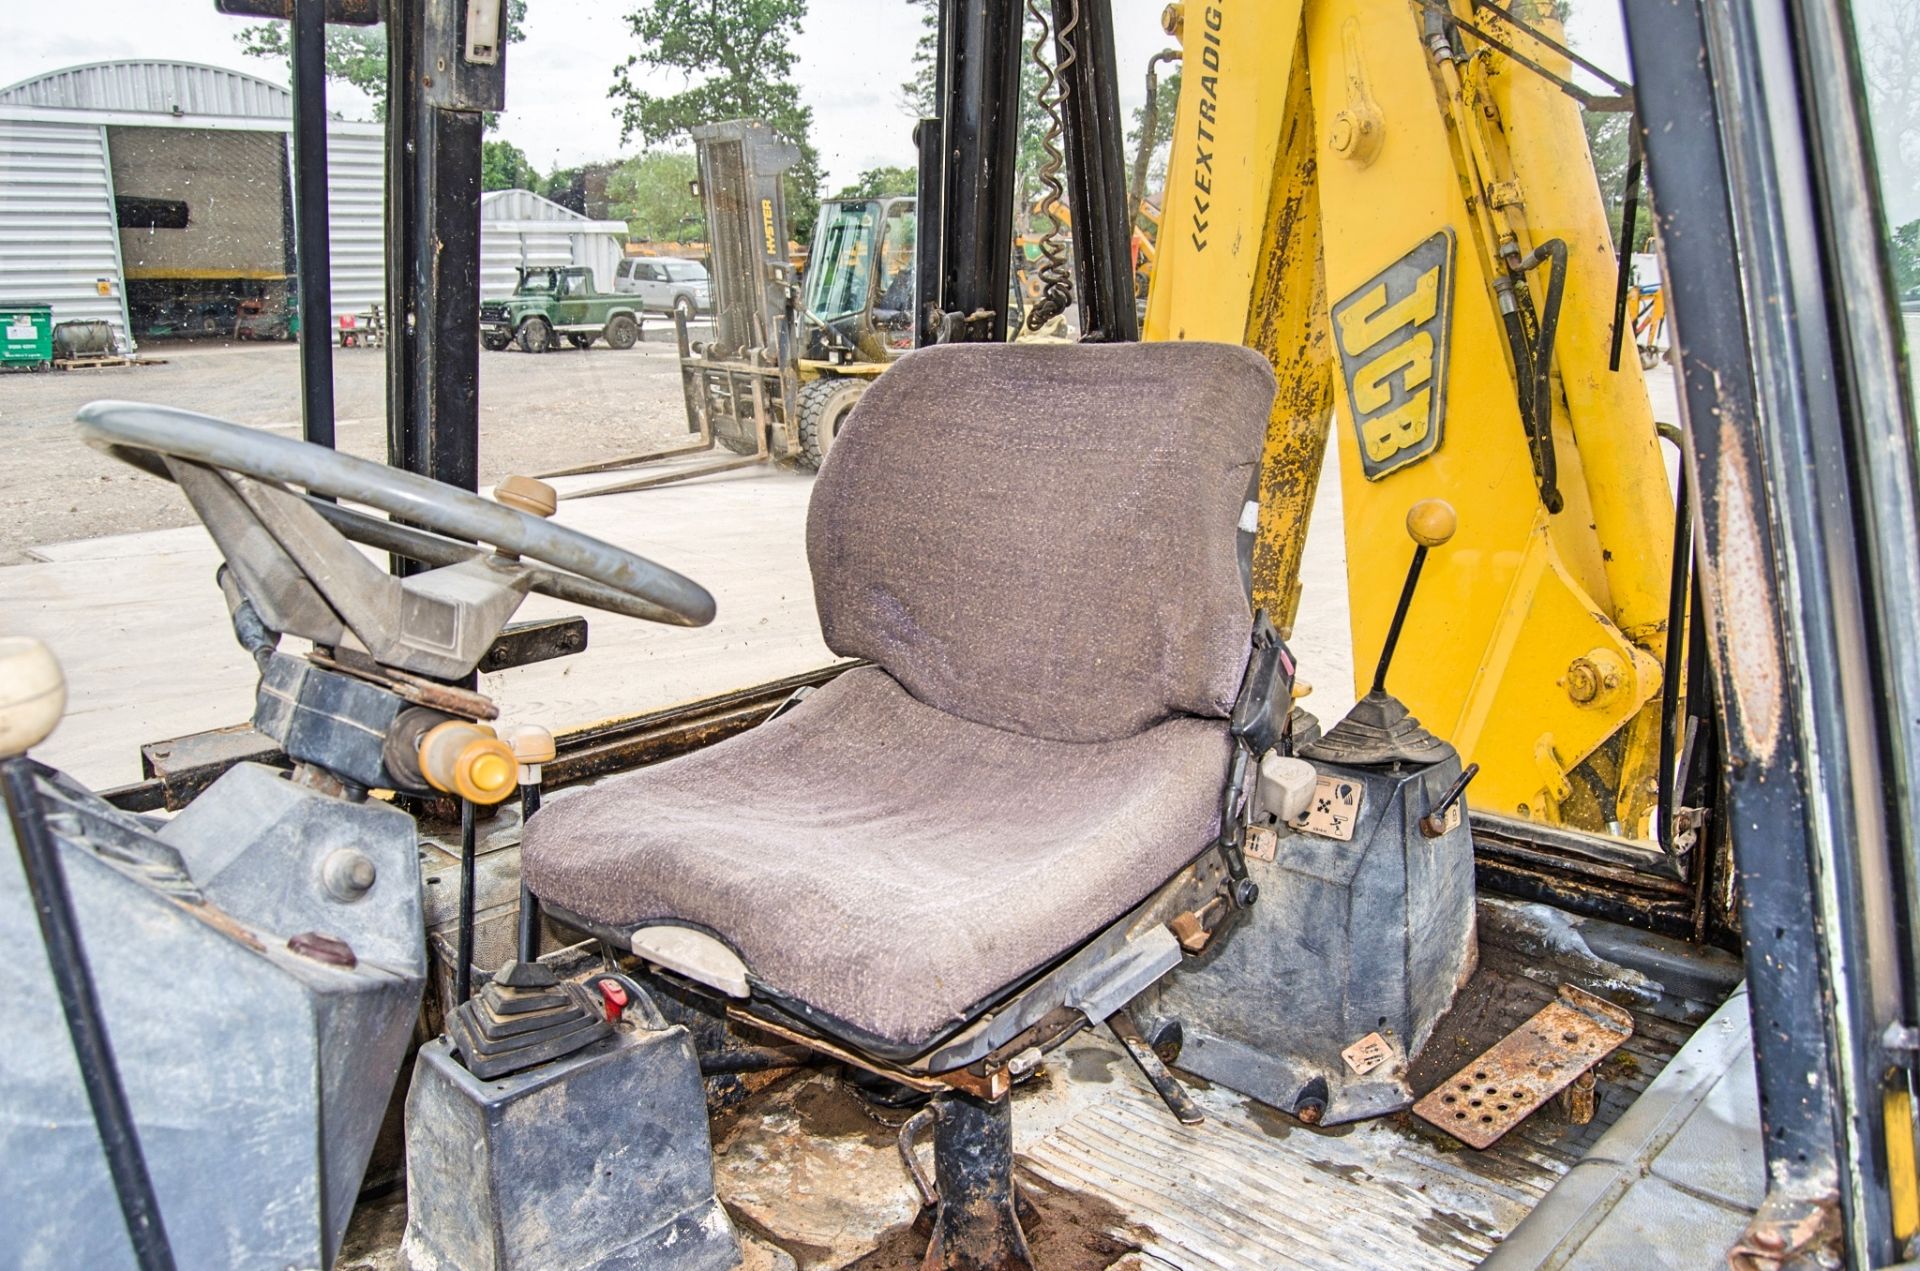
(26,335)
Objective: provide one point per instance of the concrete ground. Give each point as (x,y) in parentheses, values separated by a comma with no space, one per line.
(108,566)
(542,412)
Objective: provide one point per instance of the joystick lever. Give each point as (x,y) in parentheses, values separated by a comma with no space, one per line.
(1430,522)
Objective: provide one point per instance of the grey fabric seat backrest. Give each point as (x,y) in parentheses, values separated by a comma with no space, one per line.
(1041,537)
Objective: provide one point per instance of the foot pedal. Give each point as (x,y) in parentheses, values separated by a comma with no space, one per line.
(1164,1083)
(1526,1068)
(526,1016)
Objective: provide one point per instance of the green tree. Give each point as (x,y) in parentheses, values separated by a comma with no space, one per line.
(1035,123)
(916,98)
(878,182)
(653,194)
(1906,259)
(1166,109)
(504,167)
(582,188)
(737,57)
(356,55)
(916,94)
(1608,142)
(1889,38)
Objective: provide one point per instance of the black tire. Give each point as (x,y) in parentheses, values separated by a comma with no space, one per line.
(536,335)
(496,343)
(621,331)
(823,407)
(684,306)
(579,340)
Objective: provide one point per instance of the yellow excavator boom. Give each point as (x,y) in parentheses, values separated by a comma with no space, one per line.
(1405,220)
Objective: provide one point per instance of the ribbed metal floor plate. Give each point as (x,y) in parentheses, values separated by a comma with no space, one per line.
(1244,1193)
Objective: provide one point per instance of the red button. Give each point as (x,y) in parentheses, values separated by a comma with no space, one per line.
(614,995)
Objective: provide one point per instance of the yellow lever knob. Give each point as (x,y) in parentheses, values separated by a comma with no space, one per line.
(531,744)
(33,693)
(468,760)
(1432,522)
(536,498)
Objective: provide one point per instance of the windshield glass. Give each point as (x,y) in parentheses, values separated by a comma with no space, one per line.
(536,283)
(842,261)
(687,273)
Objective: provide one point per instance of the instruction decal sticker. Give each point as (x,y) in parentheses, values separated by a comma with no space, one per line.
(1394,333)
(1334,809)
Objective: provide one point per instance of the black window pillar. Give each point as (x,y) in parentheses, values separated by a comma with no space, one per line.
(1096,171)
(1742,105)
(971,148)
(438,90)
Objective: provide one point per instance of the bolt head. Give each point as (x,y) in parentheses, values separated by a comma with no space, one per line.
(1343,134)
(1583,681)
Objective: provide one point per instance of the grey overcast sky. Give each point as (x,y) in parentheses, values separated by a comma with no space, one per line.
(853,56)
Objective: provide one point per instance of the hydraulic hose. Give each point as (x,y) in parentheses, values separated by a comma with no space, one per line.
(1533,365)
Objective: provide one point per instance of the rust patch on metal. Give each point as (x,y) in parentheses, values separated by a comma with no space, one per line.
(1578,1101)
(991,1086)
(1530,1065)
(1747,603)
(1789,1230)
(413,688)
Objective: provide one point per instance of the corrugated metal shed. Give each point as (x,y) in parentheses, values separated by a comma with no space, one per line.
(356,198)
(59,243)
(59,237)
(154,88)
(518,227)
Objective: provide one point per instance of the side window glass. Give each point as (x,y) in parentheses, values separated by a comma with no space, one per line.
(1887,33)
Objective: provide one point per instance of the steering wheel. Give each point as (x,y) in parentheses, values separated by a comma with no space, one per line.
(582,570)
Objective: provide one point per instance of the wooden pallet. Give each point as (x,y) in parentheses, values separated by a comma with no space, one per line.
(100,361)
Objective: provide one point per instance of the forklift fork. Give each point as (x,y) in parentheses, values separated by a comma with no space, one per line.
(697,408)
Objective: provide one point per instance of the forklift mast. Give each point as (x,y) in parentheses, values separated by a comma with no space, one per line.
(743,168)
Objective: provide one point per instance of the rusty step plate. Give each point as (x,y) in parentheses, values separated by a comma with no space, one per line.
(1526,1068)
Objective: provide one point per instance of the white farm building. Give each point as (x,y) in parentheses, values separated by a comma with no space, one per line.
(157,196)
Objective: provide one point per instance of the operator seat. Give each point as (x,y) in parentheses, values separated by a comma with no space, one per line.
(1035,547)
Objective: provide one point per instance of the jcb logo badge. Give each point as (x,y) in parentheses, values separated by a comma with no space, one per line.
(1393,334)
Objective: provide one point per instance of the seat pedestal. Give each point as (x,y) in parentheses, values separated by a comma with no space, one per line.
(1364,941)
(975,1227)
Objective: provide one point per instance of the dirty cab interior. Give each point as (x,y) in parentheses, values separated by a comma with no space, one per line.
(1047,926)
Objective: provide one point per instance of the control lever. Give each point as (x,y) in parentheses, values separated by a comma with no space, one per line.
(1164,1083)
(1434,823)
(1430,522)
(532,747)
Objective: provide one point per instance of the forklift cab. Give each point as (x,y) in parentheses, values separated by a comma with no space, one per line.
(1059,782)
(859,296)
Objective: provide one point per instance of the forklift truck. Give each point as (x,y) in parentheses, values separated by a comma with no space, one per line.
(217,1005)
(787,358)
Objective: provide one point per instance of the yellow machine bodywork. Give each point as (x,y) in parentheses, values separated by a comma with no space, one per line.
(1354,207)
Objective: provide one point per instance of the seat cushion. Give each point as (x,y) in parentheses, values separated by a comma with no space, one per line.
(1041,537)
(883,862)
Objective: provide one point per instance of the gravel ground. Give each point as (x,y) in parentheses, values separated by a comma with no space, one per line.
(536,413)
